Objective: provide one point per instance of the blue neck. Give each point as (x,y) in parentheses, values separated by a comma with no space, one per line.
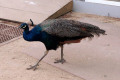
(32,35)
(26,30)
(27,35)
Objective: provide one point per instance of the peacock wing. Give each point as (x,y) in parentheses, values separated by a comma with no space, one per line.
(64,28)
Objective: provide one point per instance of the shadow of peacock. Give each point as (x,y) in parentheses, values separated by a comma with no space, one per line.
(55,33)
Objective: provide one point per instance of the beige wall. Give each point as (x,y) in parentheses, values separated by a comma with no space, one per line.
(114,0)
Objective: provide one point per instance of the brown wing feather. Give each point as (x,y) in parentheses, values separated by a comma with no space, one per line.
(64,28)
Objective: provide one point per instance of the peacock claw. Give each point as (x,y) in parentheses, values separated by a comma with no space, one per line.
(33,67)
(60,61)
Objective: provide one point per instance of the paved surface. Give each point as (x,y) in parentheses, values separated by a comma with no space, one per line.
(13,64)
(96,59)
(23,10)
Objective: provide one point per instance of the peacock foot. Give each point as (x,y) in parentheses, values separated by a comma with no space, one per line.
(60,61)
(33,67)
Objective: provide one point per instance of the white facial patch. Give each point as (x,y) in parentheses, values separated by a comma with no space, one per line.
(24,27)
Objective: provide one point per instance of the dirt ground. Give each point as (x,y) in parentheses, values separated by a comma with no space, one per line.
(13,61)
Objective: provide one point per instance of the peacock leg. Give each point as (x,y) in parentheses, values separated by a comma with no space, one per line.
(62,60)
(37,64)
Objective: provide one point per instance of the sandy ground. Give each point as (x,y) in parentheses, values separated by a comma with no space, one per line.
(13,61)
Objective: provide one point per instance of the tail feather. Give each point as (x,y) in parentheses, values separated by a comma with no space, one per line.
(94,30)
(97,32)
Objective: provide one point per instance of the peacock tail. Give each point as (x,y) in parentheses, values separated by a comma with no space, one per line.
(70,28)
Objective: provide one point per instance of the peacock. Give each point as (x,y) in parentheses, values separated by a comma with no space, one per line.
(54,33)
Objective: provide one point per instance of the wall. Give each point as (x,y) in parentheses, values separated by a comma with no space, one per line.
(96,8)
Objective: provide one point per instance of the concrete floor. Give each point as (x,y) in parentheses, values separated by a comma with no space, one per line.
(13,64)
(96,59)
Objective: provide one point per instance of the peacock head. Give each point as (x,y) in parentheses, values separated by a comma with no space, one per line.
(23,26)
